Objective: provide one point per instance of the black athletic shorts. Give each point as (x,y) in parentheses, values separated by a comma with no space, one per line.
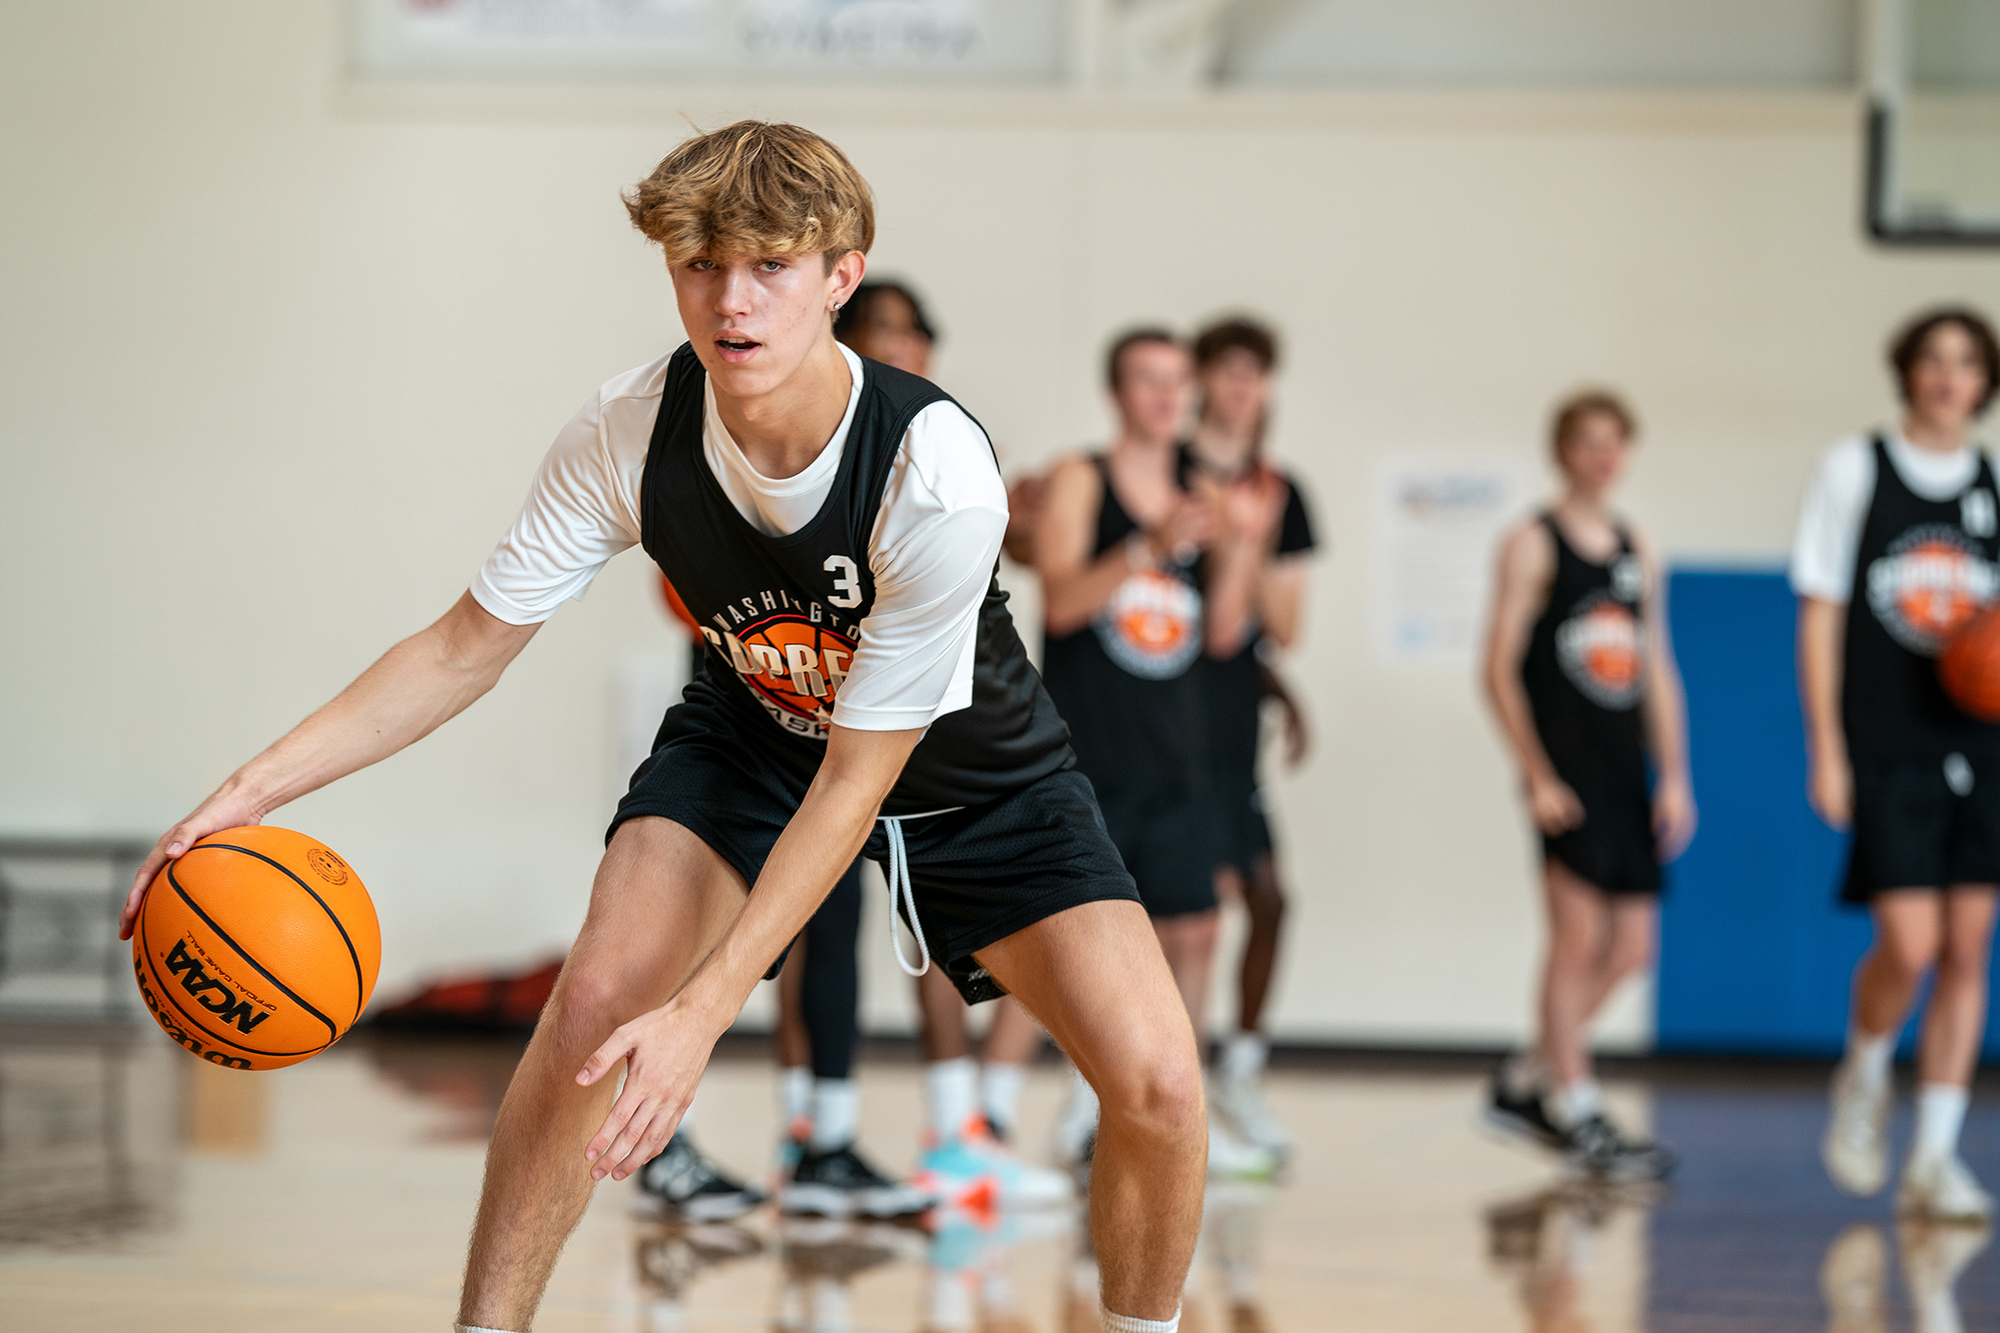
(1613,848)
(980,873)
(1243,833)
(1169,844)
(1923,824)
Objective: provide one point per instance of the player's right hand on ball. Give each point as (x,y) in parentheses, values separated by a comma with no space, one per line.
(225,809)
(1830,791)
(1553,805)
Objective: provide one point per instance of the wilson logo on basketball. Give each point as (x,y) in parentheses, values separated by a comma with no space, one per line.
(1152,625)
(171,1026)
(1602,649)
(1930,581)
(794,665)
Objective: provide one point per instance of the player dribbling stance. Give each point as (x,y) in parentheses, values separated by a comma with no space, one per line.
(833,525)
(1896,548)
(1580,673)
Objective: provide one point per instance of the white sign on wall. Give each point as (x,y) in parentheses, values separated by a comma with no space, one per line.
(1437,526)
(1003,39)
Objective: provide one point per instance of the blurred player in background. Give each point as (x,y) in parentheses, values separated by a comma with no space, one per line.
(1581,675)
(1256,600)
(1896,549)
(973,1106)
(1127,554)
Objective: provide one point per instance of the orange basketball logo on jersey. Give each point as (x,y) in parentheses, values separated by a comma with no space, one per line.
(1931,581)
(1602,649)
(1152,625)
(794,666)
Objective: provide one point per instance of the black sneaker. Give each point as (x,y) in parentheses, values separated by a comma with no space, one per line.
(1599,1149)
(840,1183)
(1523,1116)
(685,1183)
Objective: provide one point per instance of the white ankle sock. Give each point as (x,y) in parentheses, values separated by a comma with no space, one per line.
(1940,1114)
(1869,1055)
(1125,1323)
(1000,1093)
(795,1095)
(1577,1102)
(836,1106)
(954,1094)
(1243,1056)
(474,1328)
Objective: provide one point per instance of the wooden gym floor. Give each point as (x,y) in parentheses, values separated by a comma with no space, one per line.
(141,1190)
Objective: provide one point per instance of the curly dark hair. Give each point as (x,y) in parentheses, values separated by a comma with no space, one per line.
(858,305)
(1238,334)
(1909,345)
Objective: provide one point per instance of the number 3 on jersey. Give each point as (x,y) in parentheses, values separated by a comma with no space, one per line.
(846,581)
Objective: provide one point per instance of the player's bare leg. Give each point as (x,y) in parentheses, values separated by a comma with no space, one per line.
(661,901)
(1095,978)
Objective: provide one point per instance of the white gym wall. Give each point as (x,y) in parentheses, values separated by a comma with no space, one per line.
(285,347)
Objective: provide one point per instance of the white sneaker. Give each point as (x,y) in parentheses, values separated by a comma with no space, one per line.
(1942,1189)
(1231,1156)
(1240,1103)
(1853,1280)
(1856,1147)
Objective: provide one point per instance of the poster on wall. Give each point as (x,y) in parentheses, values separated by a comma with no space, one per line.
(1018,40)
(1437,526)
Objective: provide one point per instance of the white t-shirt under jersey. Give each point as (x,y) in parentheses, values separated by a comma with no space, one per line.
(936,537)
(1836,505)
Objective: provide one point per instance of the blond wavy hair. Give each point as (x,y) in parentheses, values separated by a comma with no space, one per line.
(755,189)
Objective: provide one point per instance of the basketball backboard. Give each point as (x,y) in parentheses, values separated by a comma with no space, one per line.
(1933,78)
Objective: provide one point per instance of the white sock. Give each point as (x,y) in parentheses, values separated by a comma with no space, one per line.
(1000,1093)
(1243,1056)
(836,1105)
(795,1096)
(1577,1102)
(954,1094)
(1940,1114)
(1869,1056)
(474,1328)
(1125,1323)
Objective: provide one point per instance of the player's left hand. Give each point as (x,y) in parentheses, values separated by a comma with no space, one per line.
(1674,817)
(664,1053)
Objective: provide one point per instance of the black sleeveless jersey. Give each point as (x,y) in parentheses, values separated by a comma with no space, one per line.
(782,616)
(1921,569)
(1127,681)
(1585,670)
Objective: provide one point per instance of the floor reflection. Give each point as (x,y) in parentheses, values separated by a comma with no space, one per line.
(131,1176)
(72,1171)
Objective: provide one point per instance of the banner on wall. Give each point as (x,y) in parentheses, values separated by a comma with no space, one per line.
(1019,40)
(1436,530)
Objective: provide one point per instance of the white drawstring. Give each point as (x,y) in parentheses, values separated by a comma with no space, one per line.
(899,880)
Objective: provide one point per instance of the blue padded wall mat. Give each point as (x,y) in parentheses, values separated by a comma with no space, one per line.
(1755,953)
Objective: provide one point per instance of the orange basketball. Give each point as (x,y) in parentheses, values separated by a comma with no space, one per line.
(1969,666)
(256,948)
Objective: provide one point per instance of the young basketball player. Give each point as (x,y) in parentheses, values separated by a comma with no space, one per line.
(1581,676)
(833,525)
(1120,553)
(1234,361)
(1896,548)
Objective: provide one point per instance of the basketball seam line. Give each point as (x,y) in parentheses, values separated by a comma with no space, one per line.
(153,966)
(359,986)
(244,954)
